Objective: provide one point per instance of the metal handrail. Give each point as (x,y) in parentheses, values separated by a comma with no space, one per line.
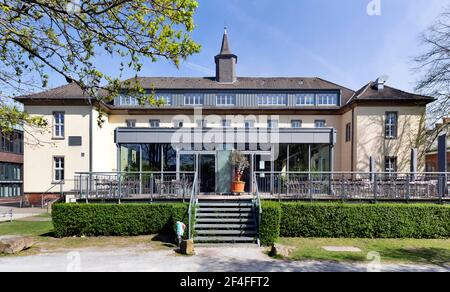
(257,202)
(193,204)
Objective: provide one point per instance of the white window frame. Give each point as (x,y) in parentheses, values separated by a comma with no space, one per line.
(225,99)
(225,123)
(272,124)
(130,121)
(58,166)
(59,125)
(164,96)
(128,100)
(249,124)
(299,122)
(317,121)
(272,99)
(154,123)
(327,99)
(390,164)
(391,125)
(302,99)
(193,99)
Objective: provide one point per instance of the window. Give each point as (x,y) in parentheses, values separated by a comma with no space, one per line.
(131,123)
(390,164)
(193,99)
(58,125)
(348,132)
(248,124)
(225,99)
(226,123)
(58,168)
(272,99)
(296,124)
(164,98)
(327,99)
(272,124)
(390,127)
(12,142)
(127,100)
(306,99)
(178,124)
(201,123)
(319,123)
(154,123)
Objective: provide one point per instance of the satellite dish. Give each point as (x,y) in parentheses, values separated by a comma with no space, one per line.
(383,78)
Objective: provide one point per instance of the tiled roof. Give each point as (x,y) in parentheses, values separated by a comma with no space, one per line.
(370,92)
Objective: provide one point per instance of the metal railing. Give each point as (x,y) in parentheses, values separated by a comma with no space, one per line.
(353,185)
(257,204)
(7,214)
(122,185)
(193,202)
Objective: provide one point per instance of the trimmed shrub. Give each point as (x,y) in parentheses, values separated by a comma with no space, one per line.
(299,219)
(116,220)
(269,230)
(364,220)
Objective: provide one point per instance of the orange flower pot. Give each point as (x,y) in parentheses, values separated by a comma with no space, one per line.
(237,186)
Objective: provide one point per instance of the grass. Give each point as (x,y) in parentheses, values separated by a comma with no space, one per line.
(418,251)
(37,228)
(42,233)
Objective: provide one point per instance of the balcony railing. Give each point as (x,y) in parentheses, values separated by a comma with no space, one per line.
(353,185)
(126,185)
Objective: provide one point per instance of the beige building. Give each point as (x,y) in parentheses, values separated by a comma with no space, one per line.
(281,124)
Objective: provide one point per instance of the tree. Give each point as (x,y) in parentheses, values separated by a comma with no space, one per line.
(38,36)
(435,62)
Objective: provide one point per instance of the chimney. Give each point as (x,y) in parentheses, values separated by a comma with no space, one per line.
(225,62)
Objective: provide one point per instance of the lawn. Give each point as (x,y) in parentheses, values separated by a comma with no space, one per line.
(42,232)
(37,228)
(422,251)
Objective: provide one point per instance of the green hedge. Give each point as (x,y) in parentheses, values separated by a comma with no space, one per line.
(269,230)
(116,220)
(359,220)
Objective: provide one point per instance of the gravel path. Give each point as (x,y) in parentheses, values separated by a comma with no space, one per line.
(207,259)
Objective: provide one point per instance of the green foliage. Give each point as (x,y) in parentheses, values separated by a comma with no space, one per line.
(335,220)
(364,220)
(269,229)
(66,36)
(116,220)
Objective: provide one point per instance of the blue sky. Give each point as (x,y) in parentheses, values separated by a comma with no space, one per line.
(333,39)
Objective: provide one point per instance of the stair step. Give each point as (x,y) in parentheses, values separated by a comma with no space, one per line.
(225,232)
(224,220)
(225,204)
(224,209)
(236,226)
(224,215)
(224,239)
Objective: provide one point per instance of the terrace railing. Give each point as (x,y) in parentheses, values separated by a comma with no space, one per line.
(353,185)
(128,185)
(256,204)
(193,202)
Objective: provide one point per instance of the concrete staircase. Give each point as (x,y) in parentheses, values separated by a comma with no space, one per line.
(230,221)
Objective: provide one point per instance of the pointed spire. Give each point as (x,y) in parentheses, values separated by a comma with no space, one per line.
(225,49)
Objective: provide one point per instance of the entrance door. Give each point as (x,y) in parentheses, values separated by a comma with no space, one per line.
(207,173)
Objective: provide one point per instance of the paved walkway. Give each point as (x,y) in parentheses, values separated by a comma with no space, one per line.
(207,259)
(19,213)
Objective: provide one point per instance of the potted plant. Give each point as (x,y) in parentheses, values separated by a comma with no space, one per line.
(239,163)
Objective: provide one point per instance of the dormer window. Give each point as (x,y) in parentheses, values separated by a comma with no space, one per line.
(327,99)
(193,99)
